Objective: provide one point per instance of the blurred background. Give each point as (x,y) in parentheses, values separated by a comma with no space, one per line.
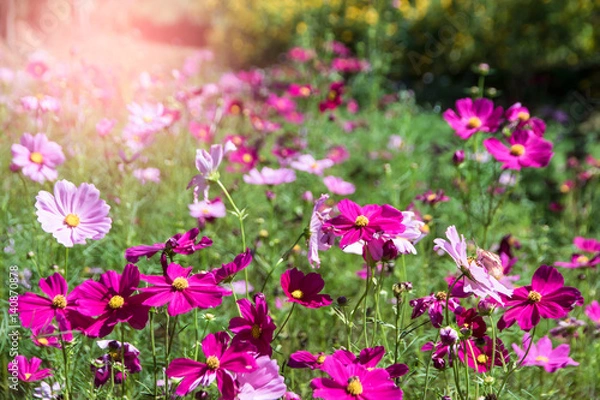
(544,52)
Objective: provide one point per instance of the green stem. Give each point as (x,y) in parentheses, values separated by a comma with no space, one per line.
(427,368)
(66,362)
(281,260)
(123,373)
(519,363)
(285,322)
(153,344)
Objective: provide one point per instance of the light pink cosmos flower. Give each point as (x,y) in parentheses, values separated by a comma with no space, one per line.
(338,186)
(319,240)
(307,163)
(473,116)
(105,126)
(282,105)
(543,355)
(36,68)
(145,175)
(263,384)
(593,312)
(207,210)
(269,176)
(526,150)
(40,103)
(28,370)
(73,214)
(37,157)
(208,164)
(477,280)
(148,117)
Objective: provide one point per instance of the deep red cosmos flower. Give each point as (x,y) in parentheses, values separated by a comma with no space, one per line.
(255,326)
(304,289)
(546,297)
(361,223)
(112,301)
(334,97)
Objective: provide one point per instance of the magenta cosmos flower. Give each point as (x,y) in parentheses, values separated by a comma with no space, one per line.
(434,305)
(526,151)
(112,301)
(473,116)
(223,361)
(543,355)
(227,271)
(28,371)
(361,223)
(180,243)
(263,383)
(73,214)
(546,297)
(582,260)
(269,176)
(354,382)
(305,359)
(255,326)
(37,157)
(370,357)
(483,354)
(304,289)
(37,312)
(182,291)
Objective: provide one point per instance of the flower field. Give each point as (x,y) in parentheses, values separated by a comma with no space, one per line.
(268,233)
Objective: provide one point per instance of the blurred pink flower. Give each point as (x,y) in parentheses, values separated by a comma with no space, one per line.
(37,157)
(147,175)
(338,186)
(28,370)
(473,116)
(543,355)
(264,383)
(41,103)
(526,150)
(73,214)
(268,176)
(105,126)
(307,163)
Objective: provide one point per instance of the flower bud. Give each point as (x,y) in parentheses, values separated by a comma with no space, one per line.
(342,301)
(458,157)
(486,307)
(448,336)
(491,262)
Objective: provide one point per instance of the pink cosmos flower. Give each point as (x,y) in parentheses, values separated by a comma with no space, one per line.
(305,359)
(269,176)
(579,261)
(338,154)
(37,312)
(28,370)
(370,357)
(148,117)
(543,355)
(200,131)
(477,279)
(123,358)
(354,382)
(36,68)
(112,301)
(294,117)
(255,326)
(243,159)
(296,90)
(546,297)
(590,245)
(483,354)
(105,126)
(473,116)
(434,305)
(73,214)
(304,289)
(182,291)
(526,150)
(264,383)
(179,243)
(223,361)
(227,271)
(300,54)
(521,118)
(45,336)
(147,175)
(338,186)
(37,157)
(361,223)
(431,198)
(282,105)
(349,65)
(307,163)
(593,312)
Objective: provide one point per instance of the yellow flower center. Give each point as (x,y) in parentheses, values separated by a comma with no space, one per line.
(534,296)
(247,158)
(523,116)
(256,331)
(72,220)
(314,166)
(304,91)
(43,341)
(361,221)
(297,294)
(147,118)
(331,95)
(473,123)
(517,150)
(542,359)
(180,283)
(440,296)
(36,157)
(564,188)
(321,359)
(431,197)
(115,355)
(27,376)
(235,109)
(482,359)
(213,363)
(59,301)
(354,386)
(116,302)
(582,259)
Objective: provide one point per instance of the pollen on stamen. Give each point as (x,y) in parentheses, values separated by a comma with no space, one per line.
(482,359)
(72,220)
(523,116)
(354,386)
(116,302)
(59,301)
(534,296)
(36,157)
(297,294)
(361,221)
(180,283)
(582,259)
(517,150)
(473,123)
(256,331)
(213,363)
